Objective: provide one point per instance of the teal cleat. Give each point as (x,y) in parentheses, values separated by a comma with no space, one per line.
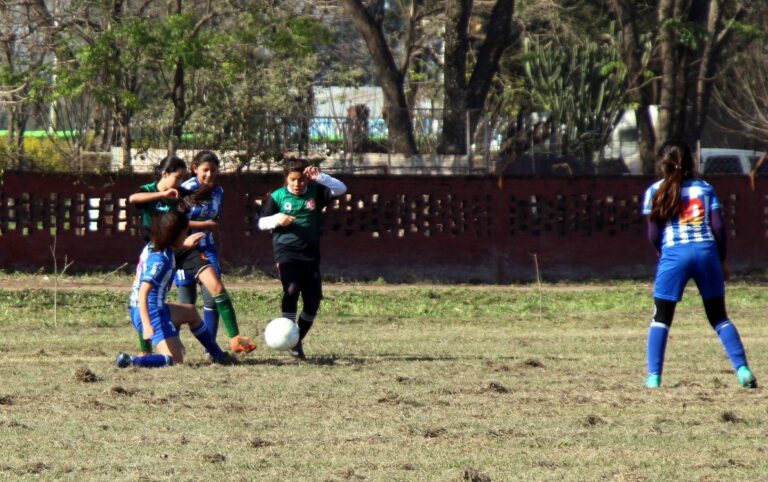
(746,377)
(653,381)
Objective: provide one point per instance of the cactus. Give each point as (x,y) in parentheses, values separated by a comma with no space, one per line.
(582,88)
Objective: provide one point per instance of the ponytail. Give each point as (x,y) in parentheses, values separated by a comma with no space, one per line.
(676,163)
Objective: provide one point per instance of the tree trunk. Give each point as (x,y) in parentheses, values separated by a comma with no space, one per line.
(396,112)
(464,101)
(638,93)
(124,124)
(454,134)
(670,68)
(178,94)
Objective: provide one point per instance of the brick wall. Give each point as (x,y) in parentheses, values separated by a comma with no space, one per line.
(442,228)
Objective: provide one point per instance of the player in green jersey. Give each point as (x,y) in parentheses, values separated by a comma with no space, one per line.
(293,213)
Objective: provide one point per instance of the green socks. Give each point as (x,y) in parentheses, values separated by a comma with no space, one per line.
(227,313)
(145,346)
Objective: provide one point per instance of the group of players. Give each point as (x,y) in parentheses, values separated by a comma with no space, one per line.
(180,225)
(684,224)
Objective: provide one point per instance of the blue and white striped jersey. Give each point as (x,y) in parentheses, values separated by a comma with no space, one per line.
(156,268)
(693,225)
(204,211)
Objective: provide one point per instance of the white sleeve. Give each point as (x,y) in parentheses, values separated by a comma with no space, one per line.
(336,187)
(269,222)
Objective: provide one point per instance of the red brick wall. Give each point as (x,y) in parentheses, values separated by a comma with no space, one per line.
(444,228)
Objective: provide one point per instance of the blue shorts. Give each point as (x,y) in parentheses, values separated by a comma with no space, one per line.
(162,325)
(678,264)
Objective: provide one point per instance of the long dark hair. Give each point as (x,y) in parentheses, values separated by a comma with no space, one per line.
(676,164)
(166,228)
(169,164)
(203,193)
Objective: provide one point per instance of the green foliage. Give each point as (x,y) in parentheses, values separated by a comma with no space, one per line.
(581,86)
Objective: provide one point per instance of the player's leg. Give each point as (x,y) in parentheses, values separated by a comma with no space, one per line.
(187,314)
(664,312)
(672,275)
(210,312)
(163,329)
(208,277)
(311,295)
(290,278)
(709,279)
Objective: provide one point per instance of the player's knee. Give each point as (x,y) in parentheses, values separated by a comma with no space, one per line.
(715,309)
(291,291)
(664,311)
(311,305)
(208,278)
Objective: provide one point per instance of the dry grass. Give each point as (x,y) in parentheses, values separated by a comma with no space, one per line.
(399,386)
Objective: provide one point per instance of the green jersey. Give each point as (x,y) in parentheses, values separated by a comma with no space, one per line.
(301,239)
(151,208)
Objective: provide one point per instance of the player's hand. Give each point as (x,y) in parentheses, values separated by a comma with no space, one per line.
(192,240)
(312,172)
(726,272)
(285,220)
(171,194)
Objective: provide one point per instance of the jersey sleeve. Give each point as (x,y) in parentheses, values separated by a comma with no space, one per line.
(269,207)
(648,201)
(155,268)
(714,201)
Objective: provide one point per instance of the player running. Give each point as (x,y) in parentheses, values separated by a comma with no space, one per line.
(685,226)
(293,213)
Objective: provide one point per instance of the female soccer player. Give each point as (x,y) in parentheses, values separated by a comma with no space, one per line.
(163,195)
(204,205)
(155,319)
(685,226)
(293,214)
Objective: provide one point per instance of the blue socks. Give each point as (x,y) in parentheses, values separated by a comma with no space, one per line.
(731,340)
(204,337)
(211,319)
(156,360)
(657,345)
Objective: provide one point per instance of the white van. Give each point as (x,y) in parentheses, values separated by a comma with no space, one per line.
(729,161)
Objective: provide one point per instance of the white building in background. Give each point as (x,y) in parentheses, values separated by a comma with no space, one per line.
(624,139)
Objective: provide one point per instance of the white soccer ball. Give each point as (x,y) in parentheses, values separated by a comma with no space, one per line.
(281,334)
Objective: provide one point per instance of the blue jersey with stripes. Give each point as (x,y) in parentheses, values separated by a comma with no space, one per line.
(156,268)
(693,224)
(206,210)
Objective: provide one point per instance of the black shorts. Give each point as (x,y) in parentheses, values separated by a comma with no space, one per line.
(192,261)
(306,274)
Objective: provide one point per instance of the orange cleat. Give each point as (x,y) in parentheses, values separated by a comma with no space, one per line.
(241,344)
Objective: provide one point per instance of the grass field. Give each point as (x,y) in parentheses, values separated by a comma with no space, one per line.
(403,382)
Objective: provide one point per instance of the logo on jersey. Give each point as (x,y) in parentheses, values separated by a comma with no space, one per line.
(692,211)
(287,207)
(311,205)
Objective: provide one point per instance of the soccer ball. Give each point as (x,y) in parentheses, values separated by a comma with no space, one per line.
(281,334)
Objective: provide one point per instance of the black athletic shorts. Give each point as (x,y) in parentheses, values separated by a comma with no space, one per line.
(192,261)
(306,274)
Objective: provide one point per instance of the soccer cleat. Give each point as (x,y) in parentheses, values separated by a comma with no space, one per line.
(297,352)
(123,360)
(241,344)
(746,377)
(653,381)
(225,359)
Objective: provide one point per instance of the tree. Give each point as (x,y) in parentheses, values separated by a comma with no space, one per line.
(369,21)
(468,71)
(686,42)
